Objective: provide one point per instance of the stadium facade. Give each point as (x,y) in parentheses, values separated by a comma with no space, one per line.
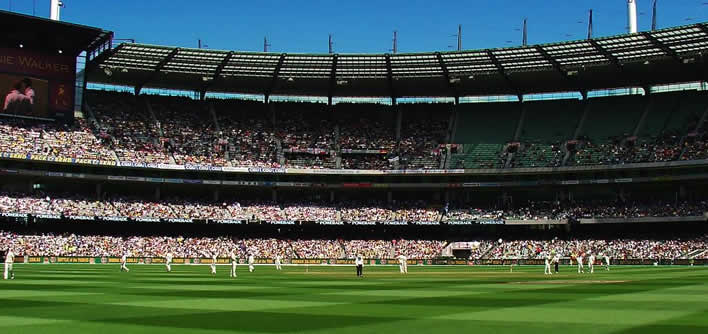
(505,158)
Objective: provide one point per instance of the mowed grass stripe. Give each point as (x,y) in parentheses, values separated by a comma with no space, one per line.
(324,299)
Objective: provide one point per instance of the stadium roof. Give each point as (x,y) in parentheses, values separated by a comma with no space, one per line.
(646,58)
(44,35)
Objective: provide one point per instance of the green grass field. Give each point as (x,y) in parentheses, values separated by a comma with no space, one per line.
(99,299)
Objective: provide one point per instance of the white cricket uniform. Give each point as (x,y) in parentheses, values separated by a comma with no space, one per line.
(123,261)
(591,263)
(547,268)
(168,262)
(277,263)
(234,263)
(9,261)
(556,261)
(251,261)
(581,269)
(403,264)
(213,264)
(359,262)
(607,262)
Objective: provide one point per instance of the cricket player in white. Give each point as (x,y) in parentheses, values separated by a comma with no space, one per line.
(359,262)
(213,264)
(234,263)
(581,269)
(607,262)
(251,261)
(168,261)
(9,260)
(547,268)
(277,262)
(403,264)
(591,263)
(556,261)
(123,260)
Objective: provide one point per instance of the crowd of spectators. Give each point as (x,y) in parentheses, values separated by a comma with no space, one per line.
(189,131)
(205,247)
(123,125)
(615,248)
(240,133)
(52,140)
(348,211)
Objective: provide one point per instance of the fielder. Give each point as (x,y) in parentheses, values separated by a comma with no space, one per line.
(581,269)
(251,261)
(591,263)
(213,264)
(123,260)
(9,260)
(403,264)
(234,262)
(607,262)
(547,268)
(277,262)
(168,262)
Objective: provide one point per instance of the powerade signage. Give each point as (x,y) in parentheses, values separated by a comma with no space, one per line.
(490,222)
(461,223)
(147,220)
(330,222)
(362,223)
(283,222)
(228,221)
(426,223)
(395,223)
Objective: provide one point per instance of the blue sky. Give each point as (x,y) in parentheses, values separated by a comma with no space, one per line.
(358,26)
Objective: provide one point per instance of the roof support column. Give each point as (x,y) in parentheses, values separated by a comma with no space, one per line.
(332,80)
(157,70)
(274,79)
(399,119)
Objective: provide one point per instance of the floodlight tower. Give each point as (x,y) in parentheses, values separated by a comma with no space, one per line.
(459,37)
(330,44)
(55,10)
(395,42)
(525,37)
(590,26)
(632,16)
(653,16)
(265,44)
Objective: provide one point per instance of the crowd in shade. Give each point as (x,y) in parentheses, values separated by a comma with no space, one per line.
(205,247)
(639,151)
(654,249)
(348,211)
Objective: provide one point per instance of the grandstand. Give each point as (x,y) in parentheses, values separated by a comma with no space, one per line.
(475,165)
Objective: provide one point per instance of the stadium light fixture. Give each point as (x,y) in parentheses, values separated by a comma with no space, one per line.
(21,46)
(61,51)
